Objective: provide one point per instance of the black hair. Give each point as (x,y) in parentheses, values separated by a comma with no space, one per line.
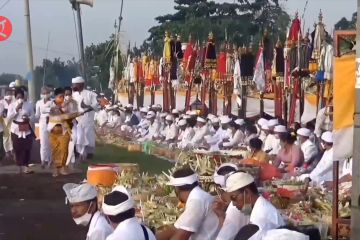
(256,143)
(122,216)
(251,187)
(310,125)
(251,129)
(297,126)
(115,198)
(225,170)
(59,91)
(68,89)
(185,172)
(287,137)
(19,91)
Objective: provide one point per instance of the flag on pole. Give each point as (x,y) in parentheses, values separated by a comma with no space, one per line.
(259,73)
(344,106)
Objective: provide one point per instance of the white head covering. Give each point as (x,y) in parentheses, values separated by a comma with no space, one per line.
(150,114)
(215,120)
(273,123)
(200,119)
(261,121)
(175,111)
(238,180)
(163,114)
(225,120)
(220,179)
(158,106)
(78,80)
(280,129)
(129,106)
(193,113)
(182,122)
(327,137)
(169,117)
(303,132)
(144,110)
(188,180)
(186,116)
(239,122)
(113,210)
(188,112)
(12,85)
(265,126)
(76,193)
(210,116)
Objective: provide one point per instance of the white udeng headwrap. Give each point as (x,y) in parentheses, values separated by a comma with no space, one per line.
(120,208)
(177,182)
(220,179)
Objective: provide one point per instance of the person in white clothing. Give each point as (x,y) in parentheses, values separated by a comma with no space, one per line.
(102,116)
(272,141)
(307,147)
(237,137)
(82,199)
(201,130)
(324,170)
(119,207)
(153,130)
(5,103)
(245,197)
(231,219)
(222,134)
(186,134)
(87,104)
(284,234)
(198,221)
(171,130)
(21,112)
(42,114)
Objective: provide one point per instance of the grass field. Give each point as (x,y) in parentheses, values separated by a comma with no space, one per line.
(112,154)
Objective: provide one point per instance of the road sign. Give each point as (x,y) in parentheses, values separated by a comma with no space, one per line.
(5,28)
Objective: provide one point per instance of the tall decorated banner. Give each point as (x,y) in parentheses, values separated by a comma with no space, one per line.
(259,73)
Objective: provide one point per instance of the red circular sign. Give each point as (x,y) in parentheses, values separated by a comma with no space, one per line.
(5,28)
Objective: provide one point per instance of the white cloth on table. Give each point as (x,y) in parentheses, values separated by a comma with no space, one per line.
(130,229)
(266,217)
(26,110)
(198,216)
(234,221)
(99,228)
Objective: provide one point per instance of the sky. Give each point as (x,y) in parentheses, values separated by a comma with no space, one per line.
(53,26)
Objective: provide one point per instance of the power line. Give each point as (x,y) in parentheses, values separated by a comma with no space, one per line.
(2,6)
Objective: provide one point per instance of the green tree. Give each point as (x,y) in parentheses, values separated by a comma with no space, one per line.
(7,78)
(241,20)
(344,24)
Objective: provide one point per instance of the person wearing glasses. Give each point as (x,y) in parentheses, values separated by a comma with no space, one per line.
(231,219)
(244,195)
(82,200)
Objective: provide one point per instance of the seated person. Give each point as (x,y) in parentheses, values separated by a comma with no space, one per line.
(256,152)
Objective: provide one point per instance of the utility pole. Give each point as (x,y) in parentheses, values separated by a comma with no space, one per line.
(81,42)
(30,60)
(355,196)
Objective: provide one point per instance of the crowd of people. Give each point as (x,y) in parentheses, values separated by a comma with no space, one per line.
(65,120)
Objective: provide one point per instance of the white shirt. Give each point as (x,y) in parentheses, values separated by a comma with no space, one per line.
(89,98)
(199,135)
(42,109)
(219,136)
(99,228)
(323,171)
(234,221)
(198,216)
(284,234)
(272,143)
(130,229)
(153,130)
(266,217)
(171,132)
(309,149)
(26,110)
(323,122)
(101,117)
(114,121)
(235,140)
(186,137)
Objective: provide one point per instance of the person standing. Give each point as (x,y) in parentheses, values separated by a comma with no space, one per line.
(6,102)
(21,112)
(42,113)
(59,129)
(88,104)
(82,200)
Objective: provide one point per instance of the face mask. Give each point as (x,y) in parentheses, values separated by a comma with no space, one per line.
(8,98)
(247,208)
(84,219)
